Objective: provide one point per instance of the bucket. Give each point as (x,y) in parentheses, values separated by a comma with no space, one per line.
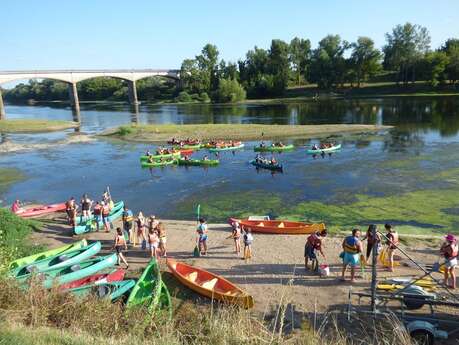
(324,270)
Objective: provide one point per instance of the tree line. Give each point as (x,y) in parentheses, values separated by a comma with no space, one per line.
(405,58)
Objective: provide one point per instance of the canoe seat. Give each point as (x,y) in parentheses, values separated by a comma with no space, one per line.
(31,269)
(192,276)
(210,284)
(281,225)
(261,224)
(63,257)
(75,268)
(231,293)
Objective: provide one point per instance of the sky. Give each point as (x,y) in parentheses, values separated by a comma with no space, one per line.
(102,34)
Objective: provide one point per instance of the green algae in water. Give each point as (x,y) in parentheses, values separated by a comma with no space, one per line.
(9,176)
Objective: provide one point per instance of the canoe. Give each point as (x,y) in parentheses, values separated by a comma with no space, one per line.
(276,167)
(184,142)
(91,225)
(117,206)
(282,227)
(69,274)
(158,163)
(200,162)
(150,291)
(221,144)
(273,148)
(57,261)
(46,254)
(226,148)
(330,149)
(208,284)
(40,210)
(110,290)
(158,157)
(114,276)
(187,147)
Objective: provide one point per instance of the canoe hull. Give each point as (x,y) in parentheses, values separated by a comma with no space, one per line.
(158,164)
(114,290)
(272,226)
(114,276)
(198,162)
(38,211)
(157,157)
(276,167)
(229,148)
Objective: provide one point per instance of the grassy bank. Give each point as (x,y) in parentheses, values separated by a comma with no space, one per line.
(161,133)
(34,125)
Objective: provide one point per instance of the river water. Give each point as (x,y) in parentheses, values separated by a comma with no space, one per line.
(394,163)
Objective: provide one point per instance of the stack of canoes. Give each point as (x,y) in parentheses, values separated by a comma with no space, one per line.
(199,162)
(267,165)
(325,149)
(209,284)
(284,227)
(87,225)
(40,210)
(227,147)
(273,148)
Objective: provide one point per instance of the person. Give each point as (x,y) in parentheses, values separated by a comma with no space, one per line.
(315,147)
(372,243)
(205,158)
(148,153)
(352,247)
(248,240)
(105,216)
(262,144)
(119,246)
(153,242)
(202,236)
(71,210)
(153,222)
(86,206)
(127,217)
(97,214)
(236,236)
(392,243)
(313,244)
(16,206)
(151,159)
(273,161)
(106,197)
(450,252)
(162,239)
(140,224)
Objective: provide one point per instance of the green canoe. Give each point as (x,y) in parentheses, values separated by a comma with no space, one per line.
(57,261)
(158,163)
(46,254)
(150,290)
(69,274)
(111,290)
(227,148)
(157,157)
(117,206)
(329,149)
(273,148)
(89,226)
(187,147)
(202,162)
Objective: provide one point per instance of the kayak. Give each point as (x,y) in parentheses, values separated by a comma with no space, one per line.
(117,206)
(46,254)
(273,148)
(114,276)
(283,227)
(330,149)
(220,144)
(69,274)
(150,291)
(158,163)
(201,162)
(277,167)
(110,290)
(158,157)
(208,284)
(40,210)
(184,142)
(91,225)
(57,261)
(187,147)
(226,148)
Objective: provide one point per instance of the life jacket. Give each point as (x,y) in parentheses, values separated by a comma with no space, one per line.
(314,241)
(351,245)
(97,210)
(128,216)
(453,252)
(106,211)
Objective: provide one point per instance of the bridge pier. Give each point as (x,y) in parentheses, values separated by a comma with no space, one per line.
(73,94)
(132,92)
(2,107)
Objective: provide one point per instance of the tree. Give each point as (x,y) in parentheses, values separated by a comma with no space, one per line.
(451,48)
(365,59)
(299,57)
(229,90)
(435,67)
(279,65)
(406,46)
(191,76)
(254,73)
(207,62)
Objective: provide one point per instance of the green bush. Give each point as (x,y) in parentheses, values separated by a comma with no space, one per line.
(124,130)
(204,97)
(184,97)
(229,90)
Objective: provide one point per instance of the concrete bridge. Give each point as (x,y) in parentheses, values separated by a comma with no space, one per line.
(72,77)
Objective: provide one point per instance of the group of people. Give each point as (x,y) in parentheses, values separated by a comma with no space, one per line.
(101,210)
(260,159)
(353,254)
(274,144)
(322,146)
(241,233)
(187,141)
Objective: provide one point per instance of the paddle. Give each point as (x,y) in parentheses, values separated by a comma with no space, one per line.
(197,251)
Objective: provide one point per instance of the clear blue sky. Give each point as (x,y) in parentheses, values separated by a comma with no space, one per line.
(47,34)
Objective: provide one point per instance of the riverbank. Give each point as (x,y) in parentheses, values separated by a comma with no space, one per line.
(162,133)
(35,125)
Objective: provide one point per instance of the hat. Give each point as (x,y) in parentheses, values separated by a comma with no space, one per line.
(450,238)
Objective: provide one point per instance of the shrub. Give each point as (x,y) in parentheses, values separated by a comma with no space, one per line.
(204,97)
(229,90)
(184,97)
(124,130)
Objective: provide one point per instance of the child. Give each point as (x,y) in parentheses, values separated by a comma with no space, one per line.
(120,244)
(140,223)
(153,242)
(248,240)
(313,244)
(202,236)
(392,243)
(162,239)
(236,236)
(450,251)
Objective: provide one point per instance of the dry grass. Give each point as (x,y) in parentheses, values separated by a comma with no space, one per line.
(34,125)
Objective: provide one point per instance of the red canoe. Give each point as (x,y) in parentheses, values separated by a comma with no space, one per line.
(115,276)
(40,210)
(186,152)
(282,227)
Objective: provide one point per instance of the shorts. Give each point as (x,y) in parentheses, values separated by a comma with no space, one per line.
(105,220)
(451,263)
(119,249)
(85,207)
(98,218)
(248,243)
(351,259)
(309,252)
(153,245)
(202,238)
(127,226)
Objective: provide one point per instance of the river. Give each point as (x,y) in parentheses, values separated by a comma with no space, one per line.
(407,175)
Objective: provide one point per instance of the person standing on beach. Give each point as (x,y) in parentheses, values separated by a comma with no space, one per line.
(162,239)
(352,248)
(86,206)
(106,216)
(392,243)
(314,244)
(372,243)
(128,217)
(236,236)
(248,241)
(140,224)
(71,210)
(97,214)
(120,245)
(202,236)
(153,243)
(450,252)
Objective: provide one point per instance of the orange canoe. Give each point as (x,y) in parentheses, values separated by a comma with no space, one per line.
(284,227)
(209,284)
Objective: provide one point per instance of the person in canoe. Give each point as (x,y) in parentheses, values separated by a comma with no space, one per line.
(202,237)
(248,241)
(162,239)
(450,251)
(392,243)
(312,246)
(105,215)
(315,147)
(372,243)
(153,243)
(148,153)
(71,210)
(86,206)
(119,246)
(262,144)
(279,144)
(16,206)
(205,158)
(140,225)
(128,218)
(352,248)
(273,161)
(97,214)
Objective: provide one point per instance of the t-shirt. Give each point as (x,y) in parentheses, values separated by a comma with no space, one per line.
(202,228)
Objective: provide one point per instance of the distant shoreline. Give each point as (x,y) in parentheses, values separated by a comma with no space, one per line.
(35,125)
